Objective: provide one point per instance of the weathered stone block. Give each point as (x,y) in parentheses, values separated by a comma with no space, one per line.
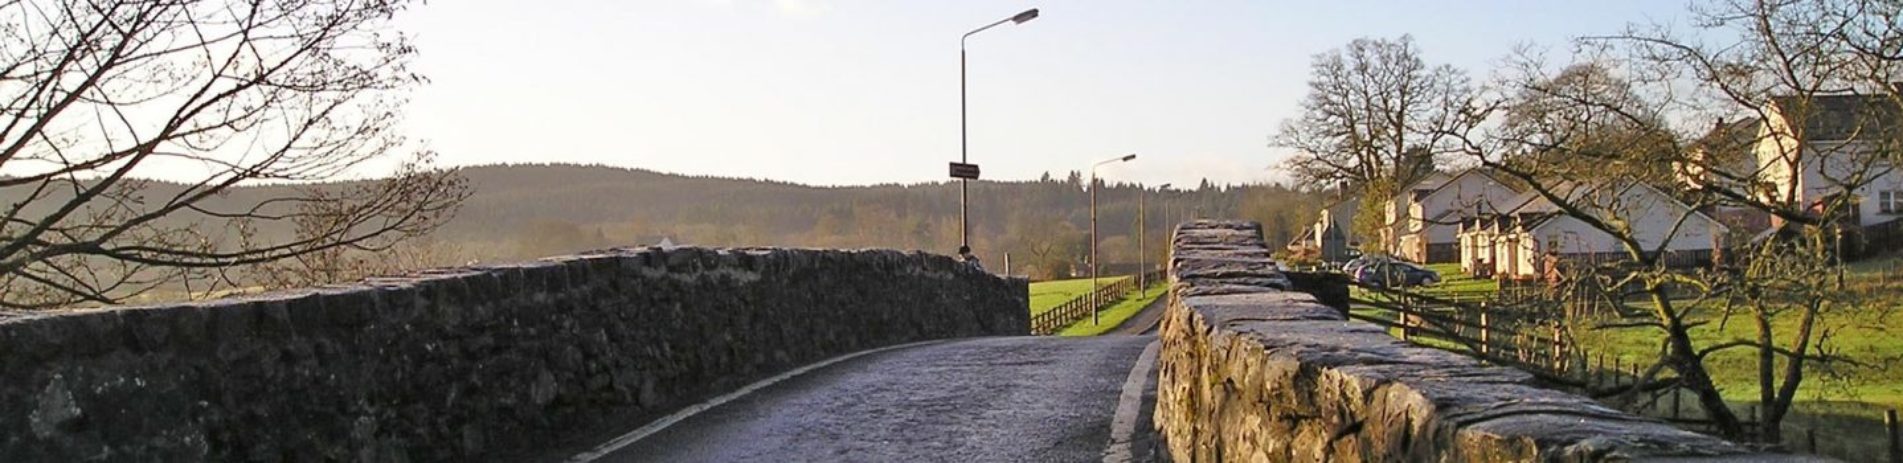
(464,364)
(1252,372)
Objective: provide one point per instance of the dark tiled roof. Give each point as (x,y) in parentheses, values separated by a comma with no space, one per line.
(1841,117)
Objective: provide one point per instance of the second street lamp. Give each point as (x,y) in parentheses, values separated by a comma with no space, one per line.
(1143,259)
(964,147)
(1095,303)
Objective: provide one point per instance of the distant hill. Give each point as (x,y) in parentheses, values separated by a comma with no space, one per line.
(524,211)
(631,206)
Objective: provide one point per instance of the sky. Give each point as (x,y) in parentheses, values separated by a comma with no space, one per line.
(854,92)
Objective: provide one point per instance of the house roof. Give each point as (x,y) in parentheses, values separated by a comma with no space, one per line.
(1430,182)
(1451,181)
(1542,211)
(1729,136)
(1729,145)
(1344,206)
(1840,117)
(1474,171)
(1433,180)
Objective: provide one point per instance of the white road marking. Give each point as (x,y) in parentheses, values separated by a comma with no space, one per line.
(689,412)
(1123,427)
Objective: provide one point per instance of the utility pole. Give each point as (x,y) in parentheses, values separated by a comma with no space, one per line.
(1143,222)
(1095,315)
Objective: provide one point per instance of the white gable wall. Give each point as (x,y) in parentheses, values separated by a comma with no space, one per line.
(1817,167)
(1470,194)
(1653,218)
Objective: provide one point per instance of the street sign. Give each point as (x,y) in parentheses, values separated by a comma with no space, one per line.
(964,171)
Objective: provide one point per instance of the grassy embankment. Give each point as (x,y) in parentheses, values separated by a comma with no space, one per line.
(1116,314)
(1867,334)
(1843,402)
(1047,295)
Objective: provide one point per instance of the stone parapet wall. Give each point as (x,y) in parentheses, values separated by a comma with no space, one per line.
(466,364)
(1251,371)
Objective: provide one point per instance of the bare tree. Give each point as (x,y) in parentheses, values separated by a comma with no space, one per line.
(1048,245)
(99,97)
(1376,111)
(1812,80)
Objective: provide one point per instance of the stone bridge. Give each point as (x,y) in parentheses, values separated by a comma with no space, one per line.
(685,354)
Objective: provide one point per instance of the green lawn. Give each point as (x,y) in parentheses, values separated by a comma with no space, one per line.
(1869,335)
(1047,295)
(1843,405)
(1872,334)
(1116,314)
(1456,284)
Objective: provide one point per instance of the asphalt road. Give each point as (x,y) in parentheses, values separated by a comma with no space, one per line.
(970,400)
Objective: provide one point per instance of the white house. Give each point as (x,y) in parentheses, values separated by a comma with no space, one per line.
(1332,235)
(1428,229)
(1534,234)
(1809,149)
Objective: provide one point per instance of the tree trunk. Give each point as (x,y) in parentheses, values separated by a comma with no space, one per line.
(1692,376)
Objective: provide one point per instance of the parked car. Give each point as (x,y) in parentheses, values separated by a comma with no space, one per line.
(1354,266)
(1393,274)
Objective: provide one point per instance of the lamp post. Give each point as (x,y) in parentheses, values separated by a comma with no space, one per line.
(1095,304)
(1143,258)
(964,147)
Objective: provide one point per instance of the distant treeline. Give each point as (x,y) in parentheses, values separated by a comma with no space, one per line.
(518,212)
(524,211)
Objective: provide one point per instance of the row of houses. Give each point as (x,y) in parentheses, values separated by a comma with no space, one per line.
(1494,227)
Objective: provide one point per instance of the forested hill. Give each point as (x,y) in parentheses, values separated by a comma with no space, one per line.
(527,211)
(524,210)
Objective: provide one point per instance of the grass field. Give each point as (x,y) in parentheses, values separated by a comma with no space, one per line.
(1453,282)
(1844,404)
(1872,334)
(1868,334)
(1047,295)
(1116,314)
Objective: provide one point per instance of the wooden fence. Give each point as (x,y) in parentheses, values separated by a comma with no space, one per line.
(1473,327)
(1054,320)
(1488,327)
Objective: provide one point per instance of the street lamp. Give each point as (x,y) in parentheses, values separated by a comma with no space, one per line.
(1095,304)
(964,150)
(1143,258)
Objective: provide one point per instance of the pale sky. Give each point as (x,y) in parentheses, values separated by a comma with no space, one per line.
(849,92)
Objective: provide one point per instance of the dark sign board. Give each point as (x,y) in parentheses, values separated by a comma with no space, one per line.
(964,171)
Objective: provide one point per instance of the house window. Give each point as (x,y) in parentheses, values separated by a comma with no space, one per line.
(1890,202)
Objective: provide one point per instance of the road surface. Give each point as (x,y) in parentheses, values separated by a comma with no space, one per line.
(969,400)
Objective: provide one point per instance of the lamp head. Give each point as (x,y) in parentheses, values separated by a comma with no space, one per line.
(1027,15)
(1127,157)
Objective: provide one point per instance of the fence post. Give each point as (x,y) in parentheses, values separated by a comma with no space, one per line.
(1406,327)
(1896,437)
(1756,424)
(1559,349)
(1616,370)
(1599,372)
(1676,393)
(1810,439)
(1486,332)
